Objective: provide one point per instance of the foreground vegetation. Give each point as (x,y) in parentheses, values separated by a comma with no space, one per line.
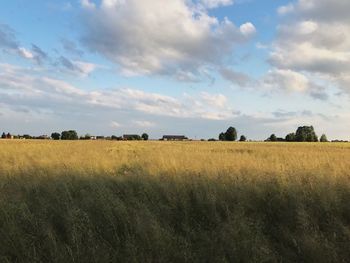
(104,201)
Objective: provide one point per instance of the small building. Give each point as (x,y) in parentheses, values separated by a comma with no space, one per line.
(174,138)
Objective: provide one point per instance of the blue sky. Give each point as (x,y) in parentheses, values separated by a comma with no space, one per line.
(181,67)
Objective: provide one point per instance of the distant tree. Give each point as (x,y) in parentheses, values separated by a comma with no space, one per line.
(144,136)
(212,140)
(231,134)
(3,136)
(55,136)
(27,136)
(69,135)
(222,137)
(290,137)
(8,135)
(272,138)
(243,138)
(306,134)
(323,138)
(133,137)
(87,137)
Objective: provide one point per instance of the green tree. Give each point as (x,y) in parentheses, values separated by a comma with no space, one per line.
(272,138)
(144,136)
(69,135)
(55,136)
(231,134)
(306,134)
(290,137)
(3,136)
(222,137)
(323,138)
(87,137)
(243,138)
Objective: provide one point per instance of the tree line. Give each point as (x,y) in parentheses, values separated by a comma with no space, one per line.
(73,135)
(302,134)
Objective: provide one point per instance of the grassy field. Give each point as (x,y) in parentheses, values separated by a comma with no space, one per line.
(100,201)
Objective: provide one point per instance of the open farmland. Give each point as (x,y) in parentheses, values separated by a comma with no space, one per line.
(101,201)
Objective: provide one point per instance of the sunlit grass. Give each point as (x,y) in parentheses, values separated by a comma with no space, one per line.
(102,201)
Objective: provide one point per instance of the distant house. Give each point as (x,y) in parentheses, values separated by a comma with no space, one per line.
(174,138)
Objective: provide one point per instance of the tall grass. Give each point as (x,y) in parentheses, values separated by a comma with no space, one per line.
(174,202)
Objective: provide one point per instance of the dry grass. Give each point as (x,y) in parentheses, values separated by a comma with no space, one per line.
(178,158)
(101,201)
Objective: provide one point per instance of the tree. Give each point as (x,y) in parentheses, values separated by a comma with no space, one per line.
(55,136)
(243,138)
(144,136)
(272,138)
(222,137)
(69,135)
(290,137)
(231,134)
(306,134)
(323,138)
(3,136)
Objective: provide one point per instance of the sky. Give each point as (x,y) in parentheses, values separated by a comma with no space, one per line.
(191,67)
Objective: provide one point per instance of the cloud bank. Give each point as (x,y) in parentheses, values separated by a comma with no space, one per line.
(150,37)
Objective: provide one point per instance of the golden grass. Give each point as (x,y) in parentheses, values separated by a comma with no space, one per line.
(104,201)
(176,158)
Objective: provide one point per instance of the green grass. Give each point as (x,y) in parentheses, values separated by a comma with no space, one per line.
(134,213)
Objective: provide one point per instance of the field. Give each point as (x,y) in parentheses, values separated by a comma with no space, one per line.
(101,201)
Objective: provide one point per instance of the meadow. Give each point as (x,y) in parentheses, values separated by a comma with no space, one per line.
(104,201)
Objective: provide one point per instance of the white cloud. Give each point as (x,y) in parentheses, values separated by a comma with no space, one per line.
(150,37)
(144,124)
(292,81)
(215,100)
(216,3)
(19,88)
(115,124)
(87,4)
(76,67)
(315,41)
(237,78)
(283,10)
(287,80)
(85,68)
(247,29)
(25,53)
